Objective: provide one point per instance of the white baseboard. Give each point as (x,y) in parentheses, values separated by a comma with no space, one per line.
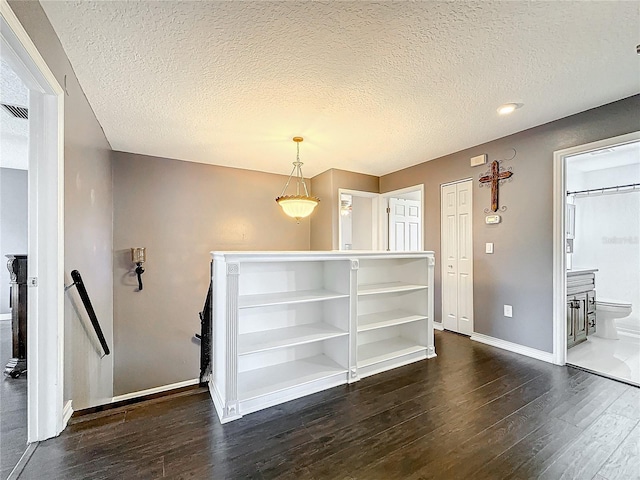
(151,391)
(628,332)
(67,411)
(5,316)
(438,326)
(513,347)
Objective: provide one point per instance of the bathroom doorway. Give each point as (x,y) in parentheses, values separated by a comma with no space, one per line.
(358,220)
(46,413)
(600,258)
(14,163)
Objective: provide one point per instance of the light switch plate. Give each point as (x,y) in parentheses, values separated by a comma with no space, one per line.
(508,311)
(488,248)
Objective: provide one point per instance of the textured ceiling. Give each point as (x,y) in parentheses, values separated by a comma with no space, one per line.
(14,132)
(372,86)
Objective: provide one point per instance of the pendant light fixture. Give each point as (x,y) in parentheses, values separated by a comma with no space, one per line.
(300,205)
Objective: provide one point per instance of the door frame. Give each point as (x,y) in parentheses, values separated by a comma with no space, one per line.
(383,223)
(442,272)
(374,214)
(45,332)
(559,235)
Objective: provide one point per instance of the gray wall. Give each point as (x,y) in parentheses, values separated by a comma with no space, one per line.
(322,219)
(519,273)
(13,224)
(324,223)
(181,211)
(88,220)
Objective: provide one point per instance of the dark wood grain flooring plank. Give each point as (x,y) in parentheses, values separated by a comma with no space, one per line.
(419,456)
(13,408)
(624,462)
(592,448)
(628,404)
(541,446)
(472,412)
(588,408)
(438,411)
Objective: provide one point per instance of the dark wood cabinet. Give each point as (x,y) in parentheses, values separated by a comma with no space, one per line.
(17,265)
(581,306)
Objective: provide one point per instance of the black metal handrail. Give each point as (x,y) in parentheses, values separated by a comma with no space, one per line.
(205,335)
(84,296)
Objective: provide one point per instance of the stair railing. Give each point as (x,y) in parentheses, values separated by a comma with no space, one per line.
(205,336)
(84,296)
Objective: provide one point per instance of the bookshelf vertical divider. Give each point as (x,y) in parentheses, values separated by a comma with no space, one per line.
(289,324)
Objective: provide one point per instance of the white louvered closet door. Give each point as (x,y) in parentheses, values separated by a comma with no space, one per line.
(457,257)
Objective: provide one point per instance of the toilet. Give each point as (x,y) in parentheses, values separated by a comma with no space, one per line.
(607,311)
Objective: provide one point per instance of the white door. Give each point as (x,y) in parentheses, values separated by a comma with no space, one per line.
(457,257)
(405,224)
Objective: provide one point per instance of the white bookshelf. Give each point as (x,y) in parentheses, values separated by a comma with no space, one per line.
(284,298)
(389,287)
(263,381)
(260,341)
(290,324)
(385,350)
(394,322)
(391,318)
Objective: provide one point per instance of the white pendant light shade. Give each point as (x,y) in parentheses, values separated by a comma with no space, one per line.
(297,206)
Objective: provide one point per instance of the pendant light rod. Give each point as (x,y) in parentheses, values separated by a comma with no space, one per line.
(297,206)
(297,170)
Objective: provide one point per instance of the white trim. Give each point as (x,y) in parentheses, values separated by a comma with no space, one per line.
(27,47)
(151,391)
(5,316)
(383,225)
(438,326)
(218,404)
(513,347)
(442,262)
(454,182)
(559,240)
(402,191)
(359,193)
(67,412)
(24,459)
(628,332)
(46,221)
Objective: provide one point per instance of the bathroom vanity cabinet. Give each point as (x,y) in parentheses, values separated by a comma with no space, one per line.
(581,305)
(289,324)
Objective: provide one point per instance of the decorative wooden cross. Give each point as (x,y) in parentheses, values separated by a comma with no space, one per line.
(495,177)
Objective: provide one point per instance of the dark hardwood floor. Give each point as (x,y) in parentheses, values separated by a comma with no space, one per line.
(13,409)
(474,412)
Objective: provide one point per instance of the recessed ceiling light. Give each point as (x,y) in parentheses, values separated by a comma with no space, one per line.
(508,108)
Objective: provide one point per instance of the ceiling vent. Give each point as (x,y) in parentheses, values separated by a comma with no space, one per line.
(16,111)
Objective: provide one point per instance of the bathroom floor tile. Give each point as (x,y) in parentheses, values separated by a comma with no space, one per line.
(618,359)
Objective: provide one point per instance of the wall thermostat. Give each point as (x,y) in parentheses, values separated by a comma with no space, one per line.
(492,219)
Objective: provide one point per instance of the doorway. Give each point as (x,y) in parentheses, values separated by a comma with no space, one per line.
(45,225)
(14,162)
(357,220)
(401,219)
(596,255)
(390,221)
(457,256)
